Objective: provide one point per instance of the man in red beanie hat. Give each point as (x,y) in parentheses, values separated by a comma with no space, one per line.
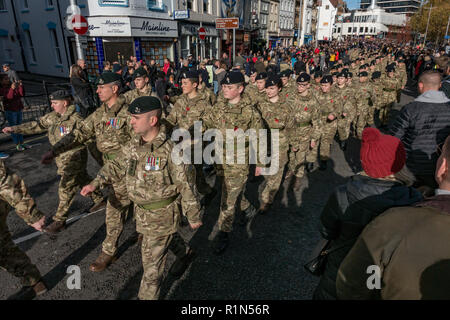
(382,185)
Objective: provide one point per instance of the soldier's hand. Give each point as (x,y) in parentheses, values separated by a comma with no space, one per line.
(48,157)
(87,190)
(195,226)
(313,144)
(331,117)
(344,114)
(7,130)
(258,171)
(294,149)
(39,225)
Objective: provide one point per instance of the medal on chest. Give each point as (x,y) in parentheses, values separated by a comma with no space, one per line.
(114,123)
(152,163)
(63,131)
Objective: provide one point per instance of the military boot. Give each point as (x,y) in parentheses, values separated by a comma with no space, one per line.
(29,293)
(323,165)
(247,214)
(102,262)
(55,227)
(264,208)
(221,242)
(309,166)
(181,264)
(206,201)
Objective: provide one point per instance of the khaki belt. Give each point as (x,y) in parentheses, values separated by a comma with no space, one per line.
(304,124)
(158,204)
(389,90)
(109,156)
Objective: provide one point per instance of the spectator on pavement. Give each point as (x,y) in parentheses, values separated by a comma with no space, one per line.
(12,75)
(384,183)
(409,245)
(422,125)
(83,95)
(12,93)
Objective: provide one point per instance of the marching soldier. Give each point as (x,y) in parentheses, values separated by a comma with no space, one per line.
(305,137)
(236,112)
(13,192)
(364,103)
(378,96)
(349,109)
(390,84)
(331,109)
(109,126)
(71,164)
(143,87)
(288,83)
(259,95)
(157,187)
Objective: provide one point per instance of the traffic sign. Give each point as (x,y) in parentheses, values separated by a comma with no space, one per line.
(80,24)
(227,23)
(202,33)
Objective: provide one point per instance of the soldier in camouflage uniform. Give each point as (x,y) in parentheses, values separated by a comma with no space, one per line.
(191,107)
(158,187)
(378,94)
(402,78)
(236,112)
(13,192)
(258,95)
(71,164)
(289,86)
(304,138)
(143,87)
(390,84)
(364,100)
(206,92)
(110,127)
(276,114)
(349,109)
(331,109)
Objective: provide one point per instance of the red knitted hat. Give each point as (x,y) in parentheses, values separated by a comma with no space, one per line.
(381,155)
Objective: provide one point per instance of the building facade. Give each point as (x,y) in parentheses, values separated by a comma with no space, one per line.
(273,27)
(402,6)
(327,11)
(286,22)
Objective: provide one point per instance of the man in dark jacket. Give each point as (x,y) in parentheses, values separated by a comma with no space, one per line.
(407,249)
(422,125)
(382,185)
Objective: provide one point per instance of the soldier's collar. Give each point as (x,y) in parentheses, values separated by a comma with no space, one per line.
(116,107)
(158,141)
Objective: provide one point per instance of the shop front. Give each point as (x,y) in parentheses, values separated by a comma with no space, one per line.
(286,38)
(190,43)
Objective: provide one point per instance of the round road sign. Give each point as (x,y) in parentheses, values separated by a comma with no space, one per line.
(202,33)
(80,24)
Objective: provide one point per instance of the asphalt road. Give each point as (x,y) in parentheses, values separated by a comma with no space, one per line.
(268,265)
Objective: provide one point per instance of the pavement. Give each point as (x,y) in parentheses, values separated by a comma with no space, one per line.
(266,265)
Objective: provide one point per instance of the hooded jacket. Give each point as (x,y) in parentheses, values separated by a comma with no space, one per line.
(422,125)
(348,210)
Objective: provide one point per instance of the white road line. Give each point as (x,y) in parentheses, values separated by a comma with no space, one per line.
(69,221)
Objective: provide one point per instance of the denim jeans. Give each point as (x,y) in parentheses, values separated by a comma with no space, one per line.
(216,86)
(14,118)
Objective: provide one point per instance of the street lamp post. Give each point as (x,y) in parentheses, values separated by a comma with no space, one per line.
(428,22)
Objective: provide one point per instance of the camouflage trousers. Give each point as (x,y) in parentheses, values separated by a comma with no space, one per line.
(69,185)
(233,187)
(343,128)
(370,116)
(117,209)
(298,158)
(273,182)
(361,122)
(154,252)
(95,153)
(328,133)
(384,113)
(12,259)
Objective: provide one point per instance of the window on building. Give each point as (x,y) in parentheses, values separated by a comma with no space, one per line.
(349,30)
(155,5)
(32,52)
(55,45)
(5,50)
(205,6)
(361,29)
(327,7)
(367,29)
(2,5)
(25,4)
(113,3)
(354,29)
(49,3)
(375,30)
(190,4)
(339,30)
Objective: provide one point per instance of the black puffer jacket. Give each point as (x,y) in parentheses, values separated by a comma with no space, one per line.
(348,210)
(422,125)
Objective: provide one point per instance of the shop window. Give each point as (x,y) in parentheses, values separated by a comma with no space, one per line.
(113,3)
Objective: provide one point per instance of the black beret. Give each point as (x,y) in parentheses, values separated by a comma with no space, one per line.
(60,95)
(345,70)
(144,104)
(346,64)
(233,77)
(261,76)
(349,74)
(272,80)
(334,74)
(339,66)
(327,79)
(252,71)
(116,67)
(318,73)
(372,63)
(390,68)
(363,74)
(376,75)
(189,75)
(140,72)
(108,77)
(285,73)
(342,74)
(303,77)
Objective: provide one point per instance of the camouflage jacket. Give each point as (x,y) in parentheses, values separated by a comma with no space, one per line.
(186,111)
(151,176)
(390,88)
(256,96)
(349,100)
(290,88)
(364,96)
(307,118)
(378,98)
(330,103)
(110,127)
(243,115)
(135,93)
(209,94)
(57,127)
(14,192)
